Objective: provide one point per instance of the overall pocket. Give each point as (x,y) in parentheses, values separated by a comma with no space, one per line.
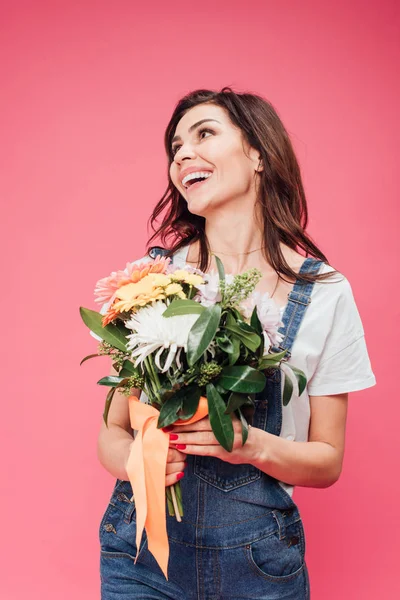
(224,475)
(279,556)
(117,532)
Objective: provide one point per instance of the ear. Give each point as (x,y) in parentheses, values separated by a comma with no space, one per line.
(260,166)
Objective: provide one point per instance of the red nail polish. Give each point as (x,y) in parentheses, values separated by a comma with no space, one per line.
(180,475)
(180,446)
(173,436)
(168,428)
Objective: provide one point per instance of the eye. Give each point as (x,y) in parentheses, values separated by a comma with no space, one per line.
(175,148)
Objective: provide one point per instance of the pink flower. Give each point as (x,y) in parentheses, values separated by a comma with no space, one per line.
(107,287)
(209,292)
(269,314)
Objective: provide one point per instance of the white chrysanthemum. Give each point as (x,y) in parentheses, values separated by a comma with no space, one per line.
(153,332)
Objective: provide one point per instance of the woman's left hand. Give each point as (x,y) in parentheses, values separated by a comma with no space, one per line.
(198,438)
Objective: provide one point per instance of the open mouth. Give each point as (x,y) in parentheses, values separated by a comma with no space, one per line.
(196,183)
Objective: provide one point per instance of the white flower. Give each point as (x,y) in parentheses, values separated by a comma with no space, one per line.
(269,314)
(209,291)
(153,332)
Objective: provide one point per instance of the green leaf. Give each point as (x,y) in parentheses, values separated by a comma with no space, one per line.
(222,391)
(220,267)
(221,423)
(111,334)
(271,360)
(260,351)
(301,378)
(287,389)
(108,404)
(125,373)
(191,398)
(238,315)
(235,401)
(111,380)
(89,356)
(249,339)
(225,343)
(183,307)
(245,427)
(128,369)
(236,350)
(120,325)
(255,321)
(129,366)
(246,327)
(202,333)
(242,379)
(168,413)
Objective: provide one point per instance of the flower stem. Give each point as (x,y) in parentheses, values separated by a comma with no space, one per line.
(175,501)
(152,383)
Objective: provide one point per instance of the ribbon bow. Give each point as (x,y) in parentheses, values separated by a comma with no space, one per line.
(146,469)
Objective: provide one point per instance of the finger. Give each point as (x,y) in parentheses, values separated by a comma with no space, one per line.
(171,479)
(175,467)
(201,425)
(204,450)
(175,455)
(195,437)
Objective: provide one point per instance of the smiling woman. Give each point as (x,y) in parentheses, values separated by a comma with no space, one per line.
(235,190)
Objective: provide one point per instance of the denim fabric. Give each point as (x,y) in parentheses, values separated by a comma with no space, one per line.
(241,535)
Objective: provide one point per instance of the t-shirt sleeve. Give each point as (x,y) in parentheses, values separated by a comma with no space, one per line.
(344,364)
(106,305)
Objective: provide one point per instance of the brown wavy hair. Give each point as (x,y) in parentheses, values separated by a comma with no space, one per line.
(281,192)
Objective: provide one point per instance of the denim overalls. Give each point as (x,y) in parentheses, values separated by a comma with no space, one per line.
(241,535)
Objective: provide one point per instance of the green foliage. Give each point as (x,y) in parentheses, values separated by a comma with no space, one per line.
(245,333)
(243,379)
(115,336)
(240,288)
(202,333)
(221,423)
(183,307)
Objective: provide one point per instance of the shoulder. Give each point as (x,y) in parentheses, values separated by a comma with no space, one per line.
(334,303)
(336,285)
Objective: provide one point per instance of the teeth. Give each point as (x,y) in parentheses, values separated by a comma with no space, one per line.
(195,175)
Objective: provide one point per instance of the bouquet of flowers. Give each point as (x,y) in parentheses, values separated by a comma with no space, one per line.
(196,344)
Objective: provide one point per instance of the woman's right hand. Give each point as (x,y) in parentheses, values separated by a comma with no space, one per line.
(175,464)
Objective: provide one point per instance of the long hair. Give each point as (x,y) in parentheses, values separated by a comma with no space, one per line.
(280,195)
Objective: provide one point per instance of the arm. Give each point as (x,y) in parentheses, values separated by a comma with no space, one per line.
(316,463)
(114,441)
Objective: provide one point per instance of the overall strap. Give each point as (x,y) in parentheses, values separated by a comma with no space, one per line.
(298,300)
(158,251)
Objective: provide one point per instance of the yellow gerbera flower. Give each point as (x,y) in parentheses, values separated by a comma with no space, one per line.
(175,289)
(160,279)
(138,294)
(186,277)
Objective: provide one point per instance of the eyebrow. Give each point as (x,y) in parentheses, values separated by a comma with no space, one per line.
(178,137)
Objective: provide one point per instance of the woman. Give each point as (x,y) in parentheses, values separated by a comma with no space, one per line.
(235,190)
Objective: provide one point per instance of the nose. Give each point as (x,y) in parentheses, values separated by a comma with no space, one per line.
(184,152)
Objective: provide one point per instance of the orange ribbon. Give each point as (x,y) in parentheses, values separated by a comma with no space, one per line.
(146,469)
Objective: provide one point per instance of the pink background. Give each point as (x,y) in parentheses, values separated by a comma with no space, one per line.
(87,89)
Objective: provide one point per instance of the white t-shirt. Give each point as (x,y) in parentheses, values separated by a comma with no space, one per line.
(329,348)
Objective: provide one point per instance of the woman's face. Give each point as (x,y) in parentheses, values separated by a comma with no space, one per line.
(217,146)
